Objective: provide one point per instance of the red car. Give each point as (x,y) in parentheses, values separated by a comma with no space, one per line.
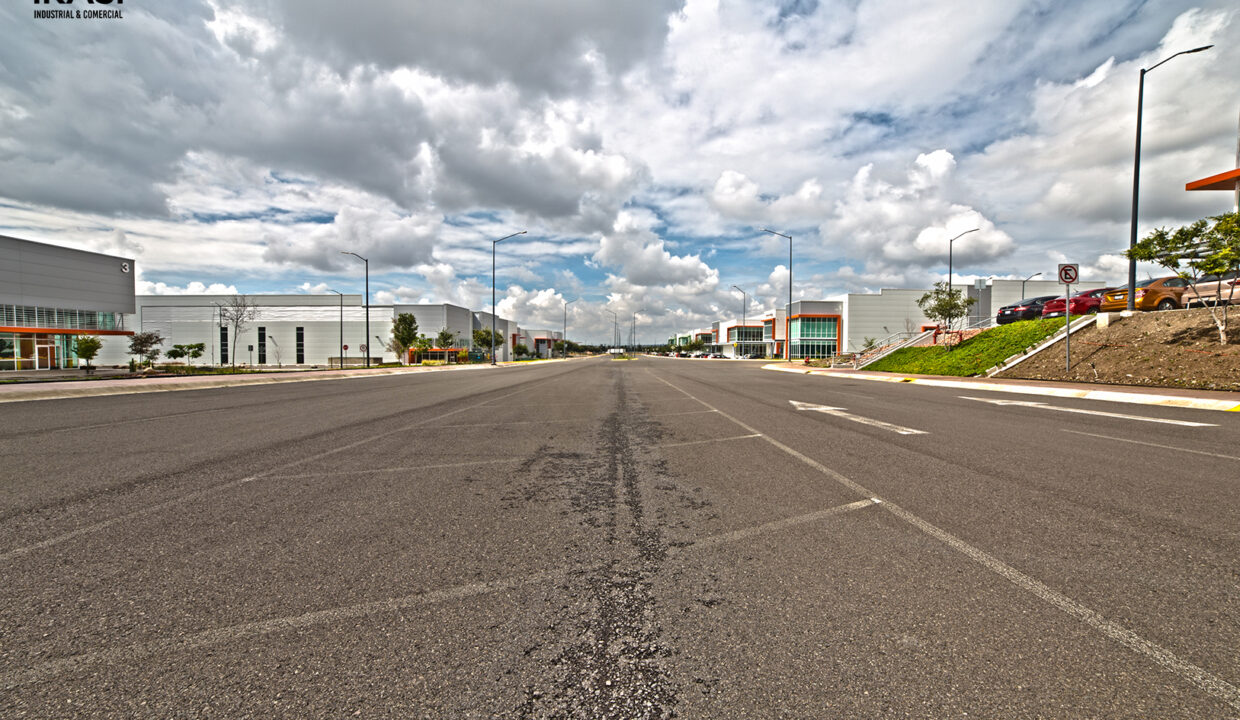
(1085,302)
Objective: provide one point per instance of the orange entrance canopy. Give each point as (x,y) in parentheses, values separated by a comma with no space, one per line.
(1222,181)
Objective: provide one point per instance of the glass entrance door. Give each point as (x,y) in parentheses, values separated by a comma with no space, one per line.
(47,354)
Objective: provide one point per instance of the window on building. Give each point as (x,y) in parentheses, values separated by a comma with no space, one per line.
(301,346)
(223,345)
(262,346)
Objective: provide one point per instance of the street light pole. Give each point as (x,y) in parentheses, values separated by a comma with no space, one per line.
(615,328)
(341,363)
(1136,177)
(741,329)
(493,244)
(564,336)
(787,322)
(1022,284)
(949,255)
(367,335)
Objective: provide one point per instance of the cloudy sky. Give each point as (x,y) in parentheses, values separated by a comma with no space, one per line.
(240,146)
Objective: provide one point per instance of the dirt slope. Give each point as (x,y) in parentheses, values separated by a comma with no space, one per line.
(1177,348)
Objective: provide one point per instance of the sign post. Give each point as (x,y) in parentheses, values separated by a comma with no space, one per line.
(1068,275)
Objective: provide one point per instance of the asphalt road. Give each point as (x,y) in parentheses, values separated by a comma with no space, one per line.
(650,538)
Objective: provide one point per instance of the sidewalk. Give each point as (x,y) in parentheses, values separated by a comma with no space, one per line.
(55,384)
(1166,397)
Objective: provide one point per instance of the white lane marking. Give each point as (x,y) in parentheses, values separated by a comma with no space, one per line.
(773,526)
(1150,444)
(703,442)
(690,412)
(1199,677)
(105,524)
(506,424)
(1122,416)
(377,471)
(182,643)
(841,413)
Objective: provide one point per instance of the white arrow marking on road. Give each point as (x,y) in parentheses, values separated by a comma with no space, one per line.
(839,412)
(1044,406)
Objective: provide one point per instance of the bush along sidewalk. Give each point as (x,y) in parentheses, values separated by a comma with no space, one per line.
(973,356)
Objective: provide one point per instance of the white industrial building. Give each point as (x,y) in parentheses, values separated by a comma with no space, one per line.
(308,330)
(821,328)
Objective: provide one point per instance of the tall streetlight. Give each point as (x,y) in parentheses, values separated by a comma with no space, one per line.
(341,363)
(564,337)
(949,255)
(615,327)
(744,307)
(1022,284)
(367,335)
(493,244)
(787,321)
(633,329)
(1136,177)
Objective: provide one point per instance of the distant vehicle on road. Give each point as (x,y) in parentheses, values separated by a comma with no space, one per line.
(1162,293)
(1027,309)
(1085,302)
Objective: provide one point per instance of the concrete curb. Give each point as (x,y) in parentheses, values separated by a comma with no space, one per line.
(1139,398)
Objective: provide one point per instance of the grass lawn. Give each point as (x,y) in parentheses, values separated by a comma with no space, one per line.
(973,356)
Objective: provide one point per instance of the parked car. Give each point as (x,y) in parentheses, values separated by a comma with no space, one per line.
(1155,294)
(1213,289)
(1085,302)
(1027,309)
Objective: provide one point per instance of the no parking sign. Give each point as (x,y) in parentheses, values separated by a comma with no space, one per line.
(1069,273)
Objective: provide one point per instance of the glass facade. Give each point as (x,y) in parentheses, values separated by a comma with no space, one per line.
(48,350)
(814,337)
(747,334)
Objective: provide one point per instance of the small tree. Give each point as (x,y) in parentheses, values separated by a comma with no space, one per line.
(176,353)
(146,345)
(194,351)
(945,305)
(482,339)
(558,347)
(1197,250)
(404,335)
(238,313)
(87,347)
(521,350)
(445,339)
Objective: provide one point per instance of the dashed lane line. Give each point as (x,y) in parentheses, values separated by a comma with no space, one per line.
(105,524)
(381,471)
(1157,445)
(704,442)
(46,670)
(1199,677)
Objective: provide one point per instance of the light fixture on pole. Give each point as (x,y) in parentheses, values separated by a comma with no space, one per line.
(564,338)
(949,255)
(615,325)
(633,329)
(1022,284)
(741,329)
(341,363)
(493,244)
(367,262)
(1136,176)
(787,322)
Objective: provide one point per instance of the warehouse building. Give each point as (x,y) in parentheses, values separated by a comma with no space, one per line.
(50,295)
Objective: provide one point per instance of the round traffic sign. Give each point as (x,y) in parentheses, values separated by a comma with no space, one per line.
(346,347)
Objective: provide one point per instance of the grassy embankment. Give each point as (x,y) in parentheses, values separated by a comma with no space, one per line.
(973,356)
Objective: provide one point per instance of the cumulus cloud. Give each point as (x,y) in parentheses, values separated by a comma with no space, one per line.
(146,287)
